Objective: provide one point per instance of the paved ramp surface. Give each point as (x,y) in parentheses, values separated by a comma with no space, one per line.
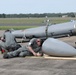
(39,66)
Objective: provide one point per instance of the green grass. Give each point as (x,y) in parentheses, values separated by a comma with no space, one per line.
(21,20)
(29,21)
(61,20)
(15,27)
(33,20)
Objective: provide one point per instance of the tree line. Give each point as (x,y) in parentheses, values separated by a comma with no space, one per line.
(37,15)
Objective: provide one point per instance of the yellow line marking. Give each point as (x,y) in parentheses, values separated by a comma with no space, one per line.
(53,58)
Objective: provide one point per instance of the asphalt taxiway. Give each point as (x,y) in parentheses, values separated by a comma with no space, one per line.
(40,65)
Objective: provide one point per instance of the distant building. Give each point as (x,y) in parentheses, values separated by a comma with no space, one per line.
(63,16)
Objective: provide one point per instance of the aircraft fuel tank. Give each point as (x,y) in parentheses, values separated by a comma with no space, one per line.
(56,47)
(68,28)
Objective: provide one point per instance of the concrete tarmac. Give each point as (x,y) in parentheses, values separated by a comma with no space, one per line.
(39,65)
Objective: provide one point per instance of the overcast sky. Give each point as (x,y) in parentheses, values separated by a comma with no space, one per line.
(37,6)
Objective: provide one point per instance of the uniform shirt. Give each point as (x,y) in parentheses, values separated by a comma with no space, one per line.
(34,45)
(9,39)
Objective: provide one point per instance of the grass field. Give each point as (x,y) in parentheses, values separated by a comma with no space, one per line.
(23,23)
(15,27)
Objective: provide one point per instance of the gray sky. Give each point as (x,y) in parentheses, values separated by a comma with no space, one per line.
(37,6)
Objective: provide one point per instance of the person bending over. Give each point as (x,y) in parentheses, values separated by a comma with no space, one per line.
(8,42)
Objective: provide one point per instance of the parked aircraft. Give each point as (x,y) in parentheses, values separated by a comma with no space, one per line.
(51,46)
